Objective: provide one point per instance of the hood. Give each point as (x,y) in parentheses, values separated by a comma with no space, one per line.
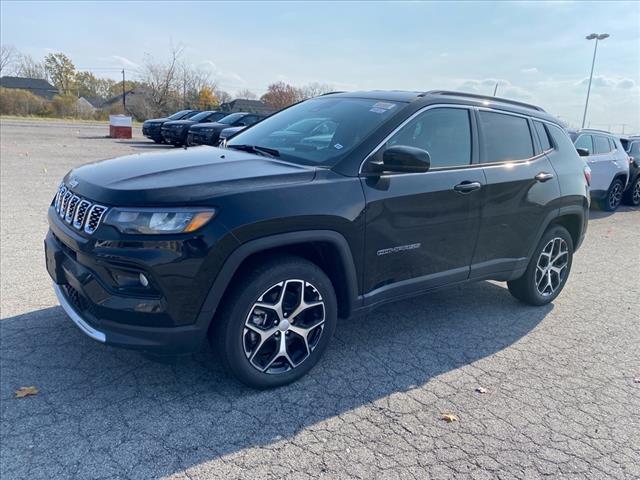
(191,176)
(227,132)
(178,123)
(157,120)
(218,127)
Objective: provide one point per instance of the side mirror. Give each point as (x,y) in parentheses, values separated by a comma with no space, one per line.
(402,159)
(583,152)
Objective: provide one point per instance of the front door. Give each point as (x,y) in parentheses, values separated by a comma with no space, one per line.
(421,228)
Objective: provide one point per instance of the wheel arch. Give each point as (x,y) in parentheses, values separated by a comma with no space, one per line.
(326,248)
(572,217)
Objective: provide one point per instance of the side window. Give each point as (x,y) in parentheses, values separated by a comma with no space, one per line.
(601,144)
(443,132)
(249,120)
(506,137)
(562,141)
(585,141)
(543,136)
(634,149)
(612,144)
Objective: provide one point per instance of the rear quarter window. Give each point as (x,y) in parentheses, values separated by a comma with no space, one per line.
(562,141)
(545,143)
(601,144)
(505,137)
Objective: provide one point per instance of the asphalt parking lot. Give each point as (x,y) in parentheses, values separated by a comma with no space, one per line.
(561,382)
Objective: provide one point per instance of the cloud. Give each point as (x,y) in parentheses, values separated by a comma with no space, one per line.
(626,84)
(529,70)
(125,62)
(602,81)
(487,85)
(226,78)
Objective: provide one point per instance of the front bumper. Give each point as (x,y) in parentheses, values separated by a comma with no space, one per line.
(172,136)
(152,132)
(90,281)
(201,138)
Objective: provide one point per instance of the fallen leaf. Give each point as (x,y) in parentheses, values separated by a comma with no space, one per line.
(481,390)
(44,169)
(449,417)
(26,391)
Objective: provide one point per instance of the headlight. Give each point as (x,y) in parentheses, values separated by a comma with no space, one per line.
(158,221)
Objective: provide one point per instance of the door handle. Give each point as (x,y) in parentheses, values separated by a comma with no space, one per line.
(467,187)
(544,176)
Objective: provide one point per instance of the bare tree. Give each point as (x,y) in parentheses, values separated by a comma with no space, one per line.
(246,94)
(29,68)
(222,96)
(193,81)
(314,89)
(8,57)
(162,81)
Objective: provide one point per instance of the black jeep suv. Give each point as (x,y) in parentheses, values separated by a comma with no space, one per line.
(152,128)
(261,246)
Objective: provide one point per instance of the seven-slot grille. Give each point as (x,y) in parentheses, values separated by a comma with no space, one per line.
(77,211)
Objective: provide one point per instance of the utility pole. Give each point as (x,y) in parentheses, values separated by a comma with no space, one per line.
(596,37)
(124,95)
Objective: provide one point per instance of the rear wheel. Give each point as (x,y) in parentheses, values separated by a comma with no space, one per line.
(632,194)
(614,196)
(548,269)
(276,323)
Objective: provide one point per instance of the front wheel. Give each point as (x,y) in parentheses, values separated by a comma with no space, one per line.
(548,269)
(632,195)
(614,196)
(276,322)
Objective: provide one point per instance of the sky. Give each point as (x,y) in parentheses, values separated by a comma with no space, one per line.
(535,51)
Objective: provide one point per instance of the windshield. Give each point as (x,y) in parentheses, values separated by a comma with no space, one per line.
(200,116)
(191,114)
(178,115)
(318,131)
(229,119)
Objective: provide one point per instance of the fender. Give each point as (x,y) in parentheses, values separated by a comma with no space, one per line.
(240,254)
(557,213)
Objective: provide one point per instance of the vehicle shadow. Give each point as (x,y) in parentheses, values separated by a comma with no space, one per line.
(146,144)
(165,418)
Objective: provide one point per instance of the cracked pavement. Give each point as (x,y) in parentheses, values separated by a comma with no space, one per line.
(561,398)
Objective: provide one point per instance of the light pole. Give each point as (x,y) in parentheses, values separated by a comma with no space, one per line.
(596,37)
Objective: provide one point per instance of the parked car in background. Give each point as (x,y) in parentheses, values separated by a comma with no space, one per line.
(227,133)
(153,128)
(261,248)
(175,132)
(209,134)
(632,193)
(609,164)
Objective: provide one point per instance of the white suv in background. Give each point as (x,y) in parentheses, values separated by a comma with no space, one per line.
(609,165)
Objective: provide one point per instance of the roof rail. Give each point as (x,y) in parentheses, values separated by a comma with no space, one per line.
(452,93)
(331,93)
(595,130)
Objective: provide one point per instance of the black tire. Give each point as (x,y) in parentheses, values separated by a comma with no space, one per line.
(157,140)
(632,194)
(526,288)
(231,338)
(612,201)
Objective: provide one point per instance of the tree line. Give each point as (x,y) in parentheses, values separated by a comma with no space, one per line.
(161,86)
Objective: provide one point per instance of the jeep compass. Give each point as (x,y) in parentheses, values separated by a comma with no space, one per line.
(259,247)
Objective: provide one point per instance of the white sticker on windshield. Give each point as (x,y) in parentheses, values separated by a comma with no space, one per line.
(377,110)
(385,105)
(337,146)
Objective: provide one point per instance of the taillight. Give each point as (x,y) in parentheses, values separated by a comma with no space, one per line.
(587,175)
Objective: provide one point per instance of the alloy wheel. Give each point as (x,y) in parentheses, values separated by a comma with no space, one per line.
(615,196)
(552,266)
(283,326)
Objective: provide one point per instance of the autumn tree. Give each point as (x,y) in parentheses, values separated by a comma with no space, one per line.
(314,89)
(61,71)
(88,85)
(280,95)
(222,96)
(207,99)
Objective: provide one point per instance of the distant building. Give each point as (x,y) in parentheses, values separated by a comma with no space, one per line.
(244,105)
(37,86)
(84,107)
(138,103)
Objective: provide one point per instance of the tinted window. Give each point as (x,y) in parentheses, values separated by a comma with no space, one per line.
(249,120)
(506,137)
(229,119)
(179,115)
(601,144)
(634,148)
(443,132)
(200,116)
(214,117)
(561,140)
(543,135)
(585,141)
(352,121)
(191,114)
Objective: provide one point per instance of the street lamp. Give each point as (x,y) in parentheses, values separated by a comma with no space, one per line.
(596,37)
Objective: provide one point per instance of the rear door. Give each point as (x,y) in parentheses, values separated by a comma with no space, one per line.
(520,194)
(604,163)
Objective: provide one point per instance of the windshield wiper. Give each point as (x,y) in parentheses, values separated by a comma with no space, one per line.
(270,152)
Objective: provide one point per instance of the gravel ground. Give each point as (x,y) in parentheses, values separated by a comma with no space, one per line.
(562,381)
